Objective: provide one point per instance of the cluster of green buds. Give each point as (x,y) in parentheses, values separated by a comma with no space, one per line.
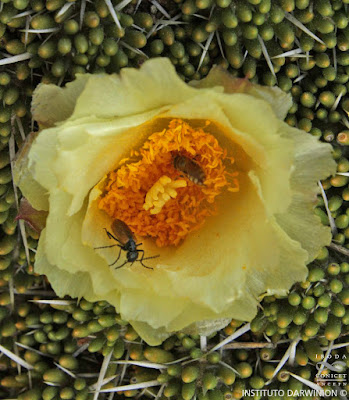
(332,206)
(63,345)
(317,307)
(300,46)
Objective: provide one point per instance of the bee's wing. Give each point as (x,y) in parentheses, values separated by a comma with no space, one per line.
(121,231)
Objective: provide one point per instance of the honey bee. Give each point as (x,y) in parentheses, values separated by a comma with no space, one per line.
(123,235)
(189,168)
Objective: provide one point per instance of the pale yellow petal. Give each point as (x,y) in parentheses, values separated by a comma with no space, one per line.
(63,282)
(277,98)
(155,85)
(23,177)
(313,162)
(52,104)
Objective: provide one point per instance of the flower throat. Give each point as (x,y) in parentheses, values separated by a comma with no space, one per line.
(158,197)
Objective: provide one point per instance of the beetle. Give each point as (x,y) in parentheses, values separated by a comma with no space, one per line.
(190,168)
(123,235)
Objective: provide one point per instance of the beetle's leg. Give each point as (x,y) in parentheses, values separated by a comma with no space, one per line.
(110,236)
(106,247)
(117,258)
(120,265)
(147,258)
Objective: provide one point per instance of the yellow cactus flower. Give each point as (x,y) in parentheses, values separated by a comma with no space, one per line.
(202,183)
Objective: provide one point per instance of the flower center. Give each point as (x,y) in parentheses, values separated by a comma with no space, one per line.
(171,189)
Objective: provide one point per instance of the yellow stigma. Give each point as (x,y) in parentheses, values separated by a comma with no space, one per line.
(161,192)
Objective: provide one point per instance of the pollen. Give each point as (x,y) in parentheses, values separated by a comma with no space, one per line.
(161,192)
(157,200)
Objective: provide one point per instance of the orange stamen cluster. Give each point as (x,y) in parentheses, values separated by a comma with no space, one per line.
(127,186)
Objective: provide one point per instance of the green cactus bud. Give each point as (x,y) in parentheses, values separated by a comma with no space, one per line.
(244,369)
(94,326)
(81,43)
(7,243)
(321,315)
(203,4)
(96,344)
(80,59)
(336,286)
(323,25)
(47,49)
(67,393)
(71,27)
(157,355)
(214,357)
(83,394)
(243,12)
(32,394)
(172,389)
(234,55)
(256,382)
(342,221)
(53,5)
(174,370)
(199,34)
(50,392)
(229,18)
(323,7)
(190,373)
(264,6)
(15,47)
(91,19)
(64,45)
(79,384)
(135,39)
(8,328)
(215,394)
(249,31)
(110,47)
(285,32)
(308,302)
(300,317)
(307,99)
(226,375)
(188,390)
(69,362)
(333,328)
(344,296)
(80,331)
(209,381)
(55,376)
(316,274)
(156,47)
(311,328)
(96,36)
(119,349)
(337,309)
(58,68)
(229,37)
(81,315)
(294,299)
(266,32)
(330,40)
